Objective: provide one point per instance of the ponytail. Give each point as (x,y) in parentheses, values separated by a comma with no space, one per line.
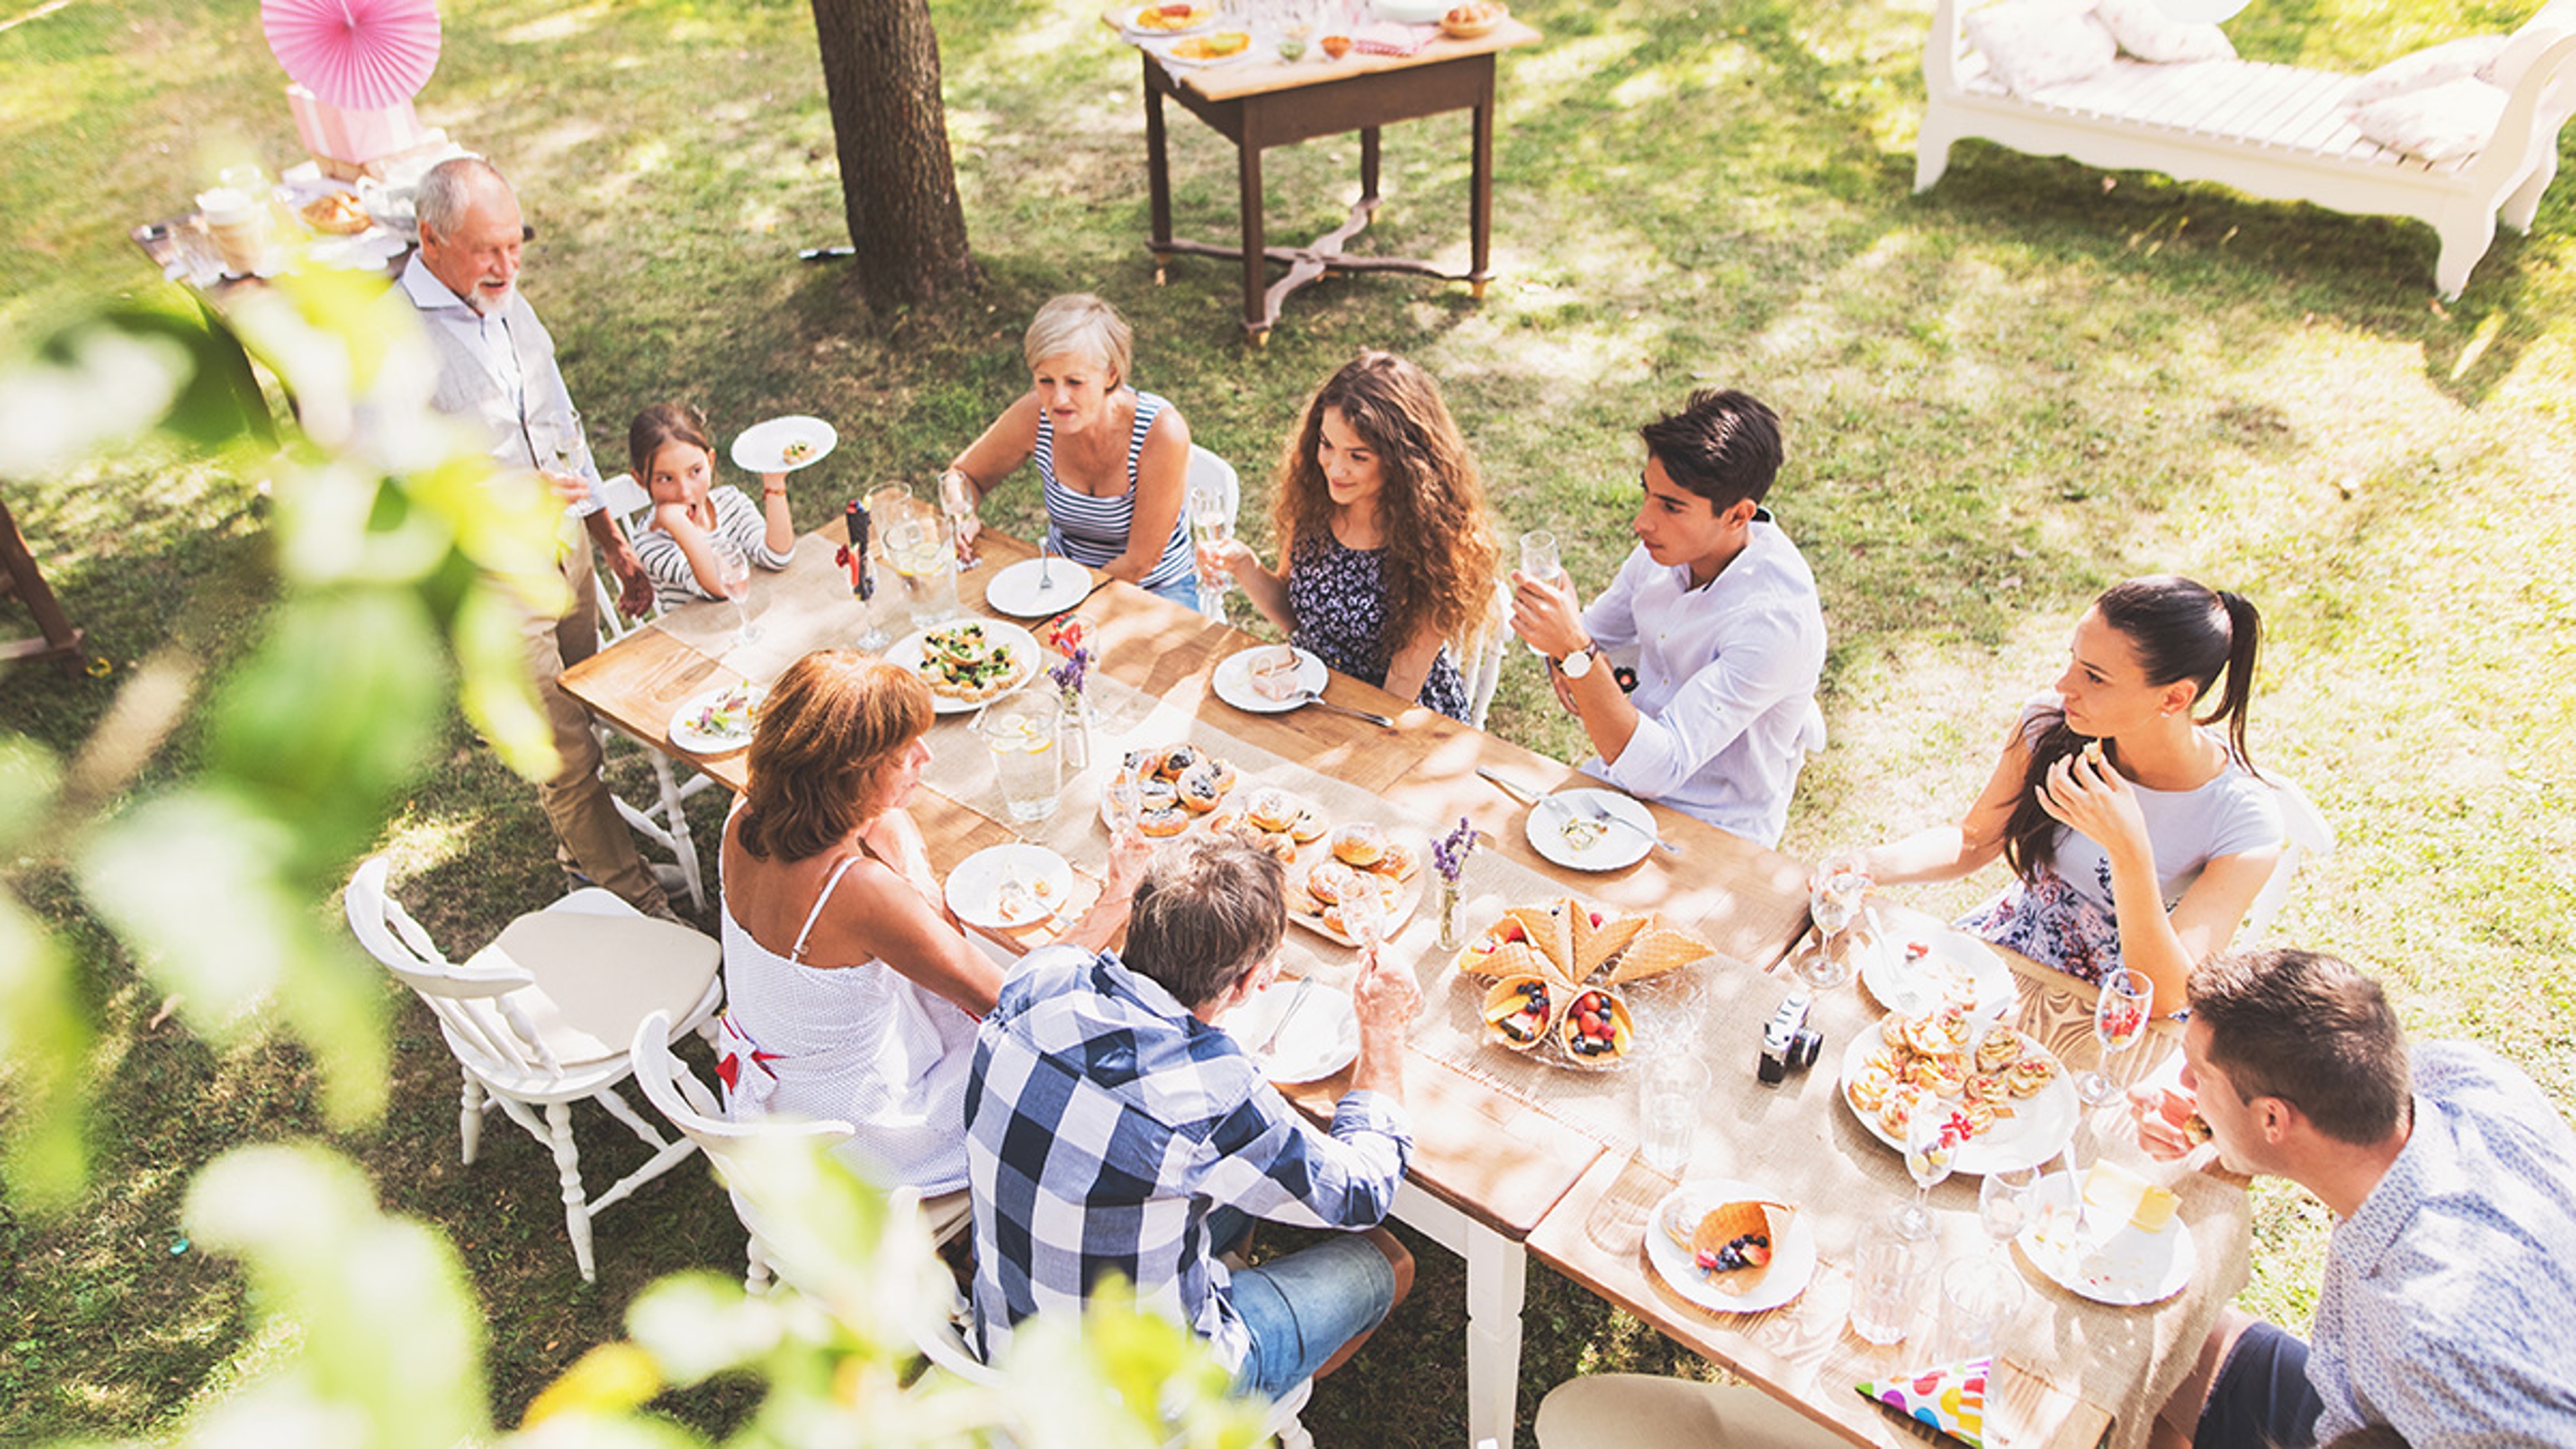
(2245,633)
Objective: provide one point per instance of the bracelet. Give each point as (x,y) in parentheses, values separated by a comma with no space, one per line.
(773,493)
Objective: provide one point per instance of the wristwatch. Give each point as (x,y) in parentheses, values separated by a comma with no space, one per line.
(1579,663)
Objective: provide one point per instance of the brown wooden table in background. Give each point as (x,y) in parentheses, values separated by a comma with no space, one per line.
(1260,105)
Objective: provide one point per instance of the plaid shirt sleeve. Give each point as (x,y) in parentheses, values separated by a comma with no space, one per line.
(1266,1161)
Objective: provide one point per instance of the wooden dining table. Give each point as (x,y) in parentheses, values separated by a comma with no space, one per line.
(1511,1157)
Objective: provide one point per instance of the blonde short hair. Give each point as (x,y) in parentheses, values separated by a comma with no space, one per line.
(1081,324)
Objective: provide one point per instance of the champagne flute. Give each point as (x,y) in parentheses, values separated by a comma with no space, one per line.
(957,500)
(733,570)
(1539,561)
(1930,1149)
(2119,1019)
(1364,919)
(1210,525)
(2004,1203)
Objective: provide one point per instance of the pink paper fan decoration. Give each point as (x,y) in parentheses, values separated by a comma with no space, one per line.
(356,54)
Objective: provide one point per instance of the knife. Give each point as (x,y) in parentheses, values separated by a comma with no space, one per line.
(1507,787)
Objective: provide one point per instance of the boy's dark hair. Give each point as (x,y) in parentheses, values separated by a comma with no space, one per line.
(2305,1027)
(1723,445)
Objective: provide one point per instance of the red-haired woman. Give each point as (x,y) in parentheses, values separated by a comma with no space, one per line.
(850,992)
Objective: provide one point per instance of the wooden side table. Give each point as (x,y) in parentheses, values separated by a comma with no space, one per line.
(1258,106)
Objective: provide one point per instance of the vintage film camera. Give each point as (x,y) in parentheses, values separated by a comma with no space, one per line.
(1788,1043)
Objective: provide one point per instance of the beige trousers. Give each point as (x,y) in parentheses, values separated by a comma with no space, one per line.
(590,836)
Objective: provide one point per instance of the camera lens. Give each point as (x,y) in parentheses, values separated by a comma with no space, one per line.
(1804,1048)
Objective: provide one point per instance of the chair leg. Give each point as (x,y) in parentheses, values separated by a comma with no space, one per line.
(568,1168)
(755,1273)
(469,1119)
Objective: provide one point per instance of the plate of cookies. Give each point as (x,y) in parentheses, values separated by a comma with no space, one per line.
(1363,865)
(2011,1101)
(1554,977)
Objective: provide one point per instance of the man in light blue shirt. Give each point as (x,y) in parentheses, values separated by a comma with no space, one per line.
(497,371)
(1718,616)
(2450,1279)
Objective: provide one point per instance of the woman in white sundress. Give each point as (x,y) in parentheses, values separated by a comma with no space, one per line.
(851,994)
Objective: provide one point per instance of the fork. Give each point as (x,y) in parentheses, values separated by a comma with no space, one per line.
(1602,814)
(1315,697)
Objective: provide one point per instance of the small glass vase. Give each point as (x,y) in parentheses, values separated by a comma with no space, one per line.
(1074,734)
(1450,937)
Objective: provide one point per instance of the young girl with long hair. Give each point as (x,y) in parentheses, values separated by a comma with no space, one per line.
(1387,551)
(668,449)
(2125,802)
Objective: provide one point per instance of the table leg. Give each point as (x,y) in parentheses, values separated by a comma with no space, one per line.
(1497,1275)
(1480,221)
(1256,318)
(1158,176)
(1368,162)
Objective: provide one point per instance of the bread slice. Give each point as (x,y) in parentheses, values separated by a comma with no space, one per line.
(1595,945)
(1551,931)
(1659,948)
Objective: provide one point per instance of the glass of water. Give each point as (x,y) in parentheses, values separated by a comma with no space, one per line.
(1539,561)
(1671,1087)
(1028,763)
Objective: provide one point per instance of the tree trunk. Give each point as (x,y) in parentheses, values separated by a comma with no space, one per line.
(898,184)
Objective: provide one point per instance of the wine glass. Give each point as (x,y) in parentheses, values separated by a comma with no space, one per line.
(2119,1019)
(1364,919)
(1296,24)
(1210,524)
(1539,561)
(733,570)
(957,500)
(2004,1203)
(1125,797)
(1930,1149)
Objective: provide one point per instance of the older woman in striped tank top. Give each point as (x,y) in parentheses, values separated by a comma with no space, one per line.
(1114,461)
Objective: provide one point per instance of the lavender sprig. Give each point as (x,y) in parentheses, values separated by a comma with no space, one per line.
(1069,675)
(1449,853)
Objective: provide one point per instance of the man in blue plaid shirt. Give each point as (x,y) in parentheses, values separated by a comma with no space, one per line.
(1112,1127)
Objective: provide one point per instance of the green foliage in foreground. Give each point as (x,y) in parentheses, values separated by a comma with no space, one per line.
(2001,396)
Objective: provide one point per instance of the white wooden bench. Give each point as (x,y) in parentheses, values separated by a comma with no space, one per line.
(2275,131)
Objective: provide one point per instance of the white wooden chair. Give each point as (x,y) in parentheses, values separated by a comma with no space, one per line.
(1480,657)
(2309,834)
(692,1107)
(1207,468)
(542,1019)
(941,1341)
(665,823)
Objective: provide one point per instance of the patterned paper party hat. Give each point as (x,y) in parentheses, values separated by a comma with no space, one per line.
(1950,1397)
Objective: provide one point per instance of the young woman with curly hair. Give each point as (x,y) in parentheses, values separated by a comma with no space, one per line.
(1386,549)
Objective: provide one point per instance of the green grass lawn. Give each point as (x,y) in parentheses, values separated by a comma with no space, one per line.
(2000,397)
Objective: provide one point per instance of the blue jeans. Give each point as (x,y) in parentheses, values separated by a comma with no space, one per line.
(2261,1397)
(1302,1308)
(1183,591)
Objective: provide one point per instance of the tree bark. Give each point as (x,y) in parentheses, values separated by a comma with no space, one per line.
(898,183)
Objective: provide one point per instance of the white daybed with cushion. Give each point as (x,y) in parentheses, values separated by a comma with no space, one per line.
(2276,131)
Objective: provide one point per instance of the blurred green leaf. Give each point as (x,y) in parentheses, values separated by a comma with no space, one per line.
(29,778)
(45,1044)
(388,1353)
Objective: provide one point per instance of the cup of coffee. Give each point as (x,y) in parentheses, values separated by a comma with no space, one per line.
(239,223)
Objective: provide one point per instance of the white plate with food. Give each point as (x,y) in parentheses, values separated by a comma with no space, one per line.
(1007,887)
(1297,1030)
(1214,47)
(968,664)
(719,721)
(1166,17)
(1913,972)
(1039,588)
(1569,829)
(783,445)
(1394,874)
(1237,685)
(2026,1130)
(1674,1226)
(2127,1247)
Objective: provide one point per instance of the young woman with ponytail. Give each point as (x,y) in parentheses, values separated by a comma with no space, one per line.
(2136,828)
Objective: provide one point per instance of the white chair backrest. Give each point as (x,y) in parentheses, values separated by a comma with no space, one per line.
(692,1107)
(1480,657)
(632,507)
(2308,834)
(1207,467)
(475,1003)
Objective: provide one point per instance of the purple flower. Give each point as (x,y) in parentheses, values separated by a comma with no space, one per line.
(1449,853)
(1069,675)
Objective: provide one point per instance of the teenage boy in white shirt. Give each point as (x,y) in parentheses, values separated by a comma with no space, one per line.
(1721,619)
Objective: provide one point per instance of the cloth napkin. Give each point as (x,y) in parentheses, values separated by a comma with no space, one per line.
(1950,1398)
(1388,38)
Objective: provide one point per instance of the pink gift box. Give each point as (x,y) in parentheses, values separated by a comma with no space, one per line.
(352,137)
